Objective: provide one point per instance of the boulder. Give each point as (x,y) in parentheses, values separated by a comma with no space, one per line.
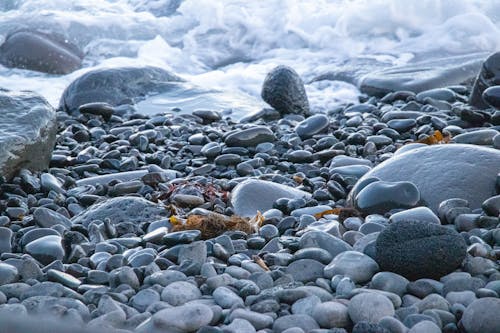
(441,172)
(39,51)
(284,90)
(116,86)
(489,75)
(27,132)
(418,249)
(254,195)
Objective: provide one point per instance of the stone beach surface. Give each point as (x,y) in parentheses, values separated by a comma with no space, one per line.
(363,219)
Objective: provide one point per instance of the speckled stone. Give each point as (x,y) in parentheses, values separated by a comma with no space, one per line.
(419,249)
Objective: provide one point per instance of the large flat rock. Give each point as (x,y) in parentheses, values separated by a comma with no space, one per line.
(27,132)
(121,209)
(442,172)
(421,76)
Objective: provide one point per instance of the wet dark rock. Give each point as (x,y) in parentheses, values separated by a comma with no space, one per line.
(284,90)
(99,109)
(492,96)
(116,86)
(435,170)
(254,195)
(250,137)
(489,75)
(181,237)
(121,209)
(380,197)
(39,51)
(27,132)
(419,249)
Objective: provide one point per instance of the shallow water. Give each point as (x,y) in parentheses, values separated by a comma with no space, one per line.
(232,44)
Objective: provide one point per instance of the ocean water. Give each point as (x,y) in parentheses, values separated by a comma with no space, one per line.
(232,44)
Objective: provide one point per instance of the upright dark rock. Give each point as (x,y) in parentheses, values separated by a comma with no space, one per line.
(284,90)
(488,76)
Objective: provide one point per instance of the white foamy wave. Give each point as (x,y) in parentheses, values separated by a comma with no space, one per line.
(232,44)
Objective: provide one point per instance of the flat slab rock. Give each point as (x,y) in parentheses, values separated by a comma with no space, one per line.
(442,172)
(421,76)
(27,132)
(122,209)
(259,195)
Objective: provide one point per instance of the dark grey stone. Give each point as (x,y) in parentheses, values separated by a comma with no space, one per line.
(42,52)
(425,168)
(419,249)
(27,132)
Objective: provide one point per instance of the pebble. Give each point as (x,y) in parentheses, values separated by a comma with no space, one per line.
(481,316)
(357,266)
(415,214)
(179,293)
(185,318)
(331,315)
(318,239)
(479,137)
(258,320)
(305,270)
(226,298)
(46,249)
(47,218)
(390,282)
(312,126)
(492,96)
(302,321)
(419,249)
(370,307)
(250,137)
(5,240)
(8,274)
(254,195)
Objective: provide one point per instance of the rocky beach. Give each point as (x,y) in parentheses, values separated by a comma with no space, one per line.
(363,198)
